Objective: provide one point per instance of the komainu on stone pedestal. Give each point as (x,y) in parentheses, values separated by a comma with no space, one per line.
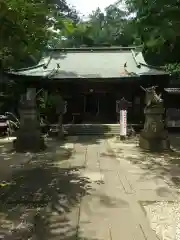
(29,137)
(154,137)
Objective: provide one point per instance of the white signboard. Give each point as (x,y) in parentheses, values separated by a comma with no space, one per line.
(123,122)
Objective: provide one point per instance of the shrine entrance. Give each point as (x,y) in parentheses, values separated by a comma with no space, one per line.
(96,103)
(99,108)
(92,104)
(91,108)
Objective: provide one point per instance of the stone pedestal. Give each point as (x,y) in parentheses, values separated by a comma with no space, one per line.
(29,137)
(154,137)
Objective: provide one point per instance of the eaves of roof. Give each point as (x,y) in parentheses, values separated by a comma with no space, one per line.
(111,62)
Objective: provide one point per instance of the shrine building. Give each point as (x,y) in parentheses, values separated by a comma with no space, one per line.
(92,80)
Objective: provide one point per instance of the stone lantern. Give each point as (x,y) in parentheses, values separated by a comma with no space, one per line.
(29,137)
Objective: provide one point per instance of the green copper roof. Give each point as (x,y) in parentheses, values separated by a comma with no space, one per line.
(91,63)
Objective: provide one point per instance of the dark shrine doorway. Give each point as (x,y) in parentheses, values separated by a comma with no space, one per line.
(91,104)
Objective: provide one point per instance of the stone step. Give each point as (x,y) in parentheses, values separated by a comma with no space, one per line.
(93,129)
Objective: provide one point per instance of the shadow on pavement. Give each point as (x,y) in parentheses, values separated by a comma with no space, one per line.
(163,165)
(38,197)
(154,165)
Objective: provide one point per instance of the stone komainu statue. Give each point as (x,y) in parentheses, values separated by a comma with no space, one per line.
(152,99)
(153,137)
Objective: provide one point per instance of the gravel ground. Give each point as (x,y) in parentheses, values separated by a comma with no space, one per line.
(164,219)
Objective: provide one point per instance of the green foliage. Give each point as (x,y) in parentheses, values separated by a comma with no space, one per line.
(157,23)
(64,10)
(24,27)
(102,29)
(173,69)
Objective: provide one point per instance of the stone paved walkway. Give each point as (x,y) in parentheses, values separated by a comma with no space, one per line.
(128,190)
(153,180)
(109,190)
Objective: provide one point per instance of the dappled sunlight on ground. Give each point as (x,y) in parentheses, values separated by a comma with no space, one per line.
(165,165)
(53,191)
(155,179)
(78,188)
(39,191)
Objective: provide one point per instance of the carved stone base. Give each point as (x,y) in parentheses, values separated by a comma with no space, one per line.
(29,142)
(154,144)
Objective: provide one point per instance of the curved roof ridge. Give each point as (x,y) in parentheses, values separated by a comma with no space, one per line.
(81,49)
(43,63)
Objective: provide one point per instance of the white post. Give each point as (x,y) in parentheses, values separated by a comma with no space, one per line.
(123,123)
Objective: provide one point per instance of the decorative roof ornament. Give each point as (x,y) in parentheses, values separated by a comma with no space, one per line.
(55,71)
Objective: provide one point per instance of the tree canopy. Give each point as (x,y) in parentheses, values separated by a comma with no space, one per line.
(25,28)
(157,23)
(108,28)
